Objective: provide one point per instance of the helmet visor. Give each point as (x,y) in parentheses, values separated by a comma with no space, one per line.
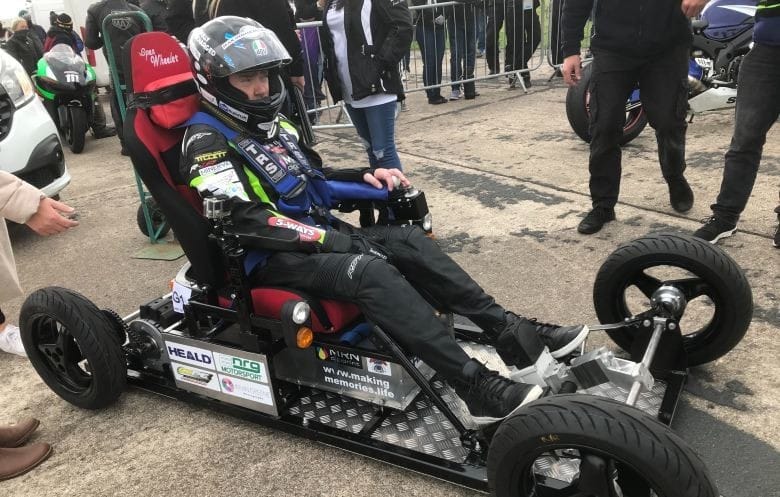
(227,45)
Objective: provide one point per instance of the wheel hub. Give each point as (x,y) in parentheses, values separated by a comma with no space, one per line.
(669,301)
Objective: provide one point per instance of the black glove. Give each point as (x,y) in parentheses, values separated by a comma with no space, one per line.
(338,242)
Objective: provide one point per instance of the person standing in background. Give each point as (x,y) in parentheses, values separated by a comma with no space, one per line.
(645,42)
(363,42)
(758,108)
(24,46)
(179,19)
(24,204)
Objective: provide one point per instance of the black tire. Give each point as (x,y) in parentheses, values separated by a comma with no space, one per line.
(73,347)
(76,130)
(158,218)
(644,453)
(579,117)
(716,276)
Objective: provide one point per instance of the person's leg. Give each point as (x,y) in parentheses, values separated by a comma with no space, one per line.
(479,27)
(532,35)
(514,35)
(758,107)
(469,53)
(98,123)
(664,88)
(426,40)
(380,120)
(456,53)
(117,117)
(358,117)
(387,300)
(609,88)
(519,341)
(495,20)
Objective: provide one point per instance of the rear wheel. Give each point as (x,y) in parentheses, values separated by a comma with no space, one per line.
(580,445)
(74,347)
(76,129)
(578,111)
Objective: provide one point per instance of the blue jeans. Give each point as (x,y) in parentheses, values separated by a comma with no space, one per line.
(758,107)
(430,37)
(461,29)
(480,13)
(376,128)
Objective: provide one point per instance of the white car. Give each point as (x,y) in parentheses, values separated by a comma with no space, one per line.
(30,147)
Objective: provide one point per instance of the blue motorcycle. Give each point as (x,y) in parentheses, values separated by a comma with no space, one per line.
(721,38)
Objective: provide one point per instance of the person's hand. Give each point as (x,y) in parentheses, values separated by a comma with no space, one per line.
(692,8)
(51,217)
(298,81)
(571,69)
(382,175)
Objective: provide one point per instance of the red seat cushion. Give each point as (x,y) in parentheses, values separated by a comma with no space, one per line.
(268,303)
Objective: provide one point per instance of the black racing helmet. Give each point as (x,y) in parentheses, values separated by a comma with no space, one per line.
(229,45)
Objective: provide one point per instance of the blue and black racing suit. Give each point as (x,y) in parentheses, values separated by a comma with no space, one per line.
(379,268)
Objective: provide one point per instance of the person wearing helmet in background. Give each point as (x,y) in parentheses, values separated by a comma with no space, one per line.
(241,148)
(61,32)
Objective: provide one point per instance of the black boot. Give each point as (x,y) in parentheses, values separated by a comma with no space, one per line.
(518,342)
(595,220)
(489,395)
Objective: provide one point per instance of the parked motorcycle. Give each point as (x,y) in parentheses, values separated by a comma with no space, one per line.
(67,85)
(721,39)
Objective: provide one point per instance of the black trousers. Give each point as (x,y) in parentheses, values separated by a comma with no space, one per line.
(663,80)
(387,291)
(758,107)
(523,35)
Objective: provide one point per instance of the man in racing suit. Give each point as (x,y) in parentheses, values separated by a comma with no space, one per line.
(640,41)
(378,268)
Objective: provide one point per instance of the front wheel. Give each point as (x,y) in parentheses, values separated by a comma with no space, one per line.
(74,347)
(580,445)
(719,300)
(578,111)
(76,129)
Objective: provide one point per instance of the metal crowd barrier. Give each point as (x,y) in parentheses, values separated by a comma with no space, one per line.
(490,42)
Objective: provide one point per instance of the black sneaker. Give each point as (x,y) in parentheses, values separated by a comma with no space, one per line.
(776,241)
(595,220)
(715,229)
(680,194)
(489,395)
(437,100)
(561,340)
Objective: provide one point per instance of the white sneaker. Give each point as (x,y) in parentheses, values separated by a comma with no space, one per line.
(455,95)
(11,341)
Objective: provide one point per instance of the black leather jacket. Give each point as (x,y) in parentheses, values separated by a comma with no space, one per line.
(372,68)
(639,28)
(25,47)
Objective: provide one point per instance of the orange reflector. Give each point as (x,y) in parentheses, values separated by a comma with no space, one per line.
(304,337)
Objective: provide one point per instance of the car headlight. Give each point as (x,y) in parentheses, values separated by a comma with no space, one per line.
(15,81)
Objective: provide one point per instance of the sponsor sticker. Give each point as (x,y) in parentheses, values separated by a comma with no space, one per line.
(189,354)
(195,376)
(340,357)
(216,168)
(247,390)
(243,116)
(211,156)
(180,296)
(378,366)
(248,369)
(305,232)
